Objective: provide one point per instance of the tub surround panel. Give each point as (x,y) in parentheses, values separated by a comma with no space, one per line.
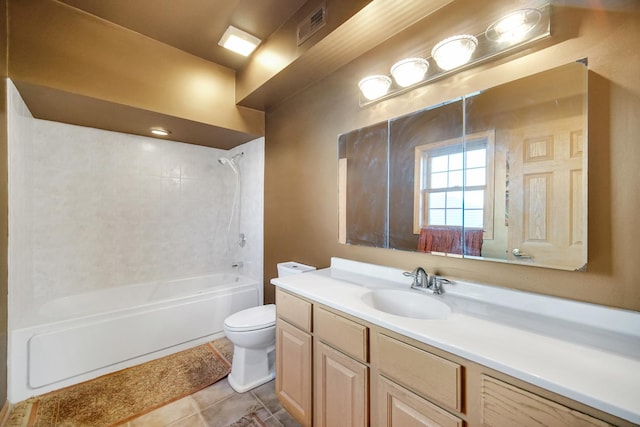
(20,207)
(251,207)
(113,209)
(94,209)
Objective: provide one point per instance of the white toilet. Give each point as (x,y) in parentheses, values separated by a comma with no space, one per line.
(253,334)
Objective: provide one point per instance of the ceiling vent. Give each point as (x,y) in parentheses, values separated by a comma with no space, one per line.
(312,23)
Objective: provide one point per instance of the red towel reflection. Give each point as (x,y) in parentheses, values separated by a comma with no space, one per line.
(449,240)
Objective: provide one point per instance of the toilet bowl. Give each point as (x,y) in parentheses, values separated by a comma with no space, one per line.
(253,334)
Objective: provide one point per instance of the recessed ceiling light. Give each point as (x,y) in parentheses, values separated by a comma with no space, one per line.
(239,41)
(160,131)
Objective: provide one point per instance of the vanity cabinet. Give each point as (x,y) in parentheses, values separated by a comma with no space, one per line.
(336,370)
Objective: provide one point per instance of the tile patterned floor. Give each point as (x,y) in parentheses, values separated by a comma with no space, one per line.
(215,406)
(219,406)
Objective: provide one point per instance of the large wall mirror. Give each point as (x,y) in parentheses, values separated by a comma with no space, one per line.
(496,175)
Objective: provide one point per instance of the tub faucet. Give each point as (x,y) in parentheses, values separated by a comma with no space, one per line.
(421,279)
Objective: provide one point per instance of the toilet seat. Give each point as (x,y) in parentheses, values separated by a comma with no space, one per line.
(252,319)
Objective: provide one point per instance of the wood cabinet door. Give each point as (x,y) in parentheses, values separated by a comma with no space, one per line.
(293,371)
(341,389)
(398,407)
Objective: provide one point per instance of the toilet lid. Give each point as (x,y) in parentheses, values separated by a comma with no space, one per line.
(260,317)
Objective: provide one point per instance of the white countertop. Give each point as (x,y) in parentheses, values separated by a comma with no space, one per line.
(586,352)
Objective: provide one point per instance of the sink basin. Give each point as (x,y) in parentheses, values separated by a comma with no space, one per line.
(407,303)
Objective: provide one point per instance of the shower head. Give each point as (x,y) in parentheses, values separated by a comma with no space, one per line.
(229,162)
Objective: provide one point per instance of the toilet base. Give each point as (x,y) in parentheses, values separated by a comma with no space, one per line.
(241,388)
(251,368)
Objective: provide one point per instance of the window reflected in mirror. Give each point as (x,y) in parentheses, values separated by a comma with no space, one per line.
(454,189)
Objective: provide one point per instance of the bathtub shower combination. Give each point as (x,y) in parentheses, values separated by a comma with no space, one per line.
(83,336)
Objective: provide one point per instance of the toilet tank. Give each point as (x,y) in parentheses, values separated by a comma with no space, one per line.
(292,267)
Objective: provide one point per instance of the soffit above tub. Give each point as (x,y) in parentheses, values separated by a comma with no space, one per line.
(44,103)
(194,26)
(74,67)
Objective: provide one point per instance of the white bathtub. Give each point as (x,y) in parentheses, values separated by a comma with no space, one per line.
(83,336)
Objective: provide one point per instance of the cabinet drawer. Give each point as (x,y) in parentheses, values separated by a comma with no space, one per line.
(295,310)
(425,373)
(344,334)
(397,406)
(504,404)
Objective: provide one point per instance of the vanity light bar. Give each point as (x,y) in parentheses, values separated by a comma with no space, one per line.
(511,32)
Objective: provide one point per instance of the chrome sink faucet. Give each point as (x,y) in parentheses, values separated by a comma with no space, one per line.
(421,279)
(437,283)
(424,281)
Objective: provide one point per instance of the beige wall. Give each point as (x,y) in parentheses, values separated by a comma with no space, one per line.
(301,220)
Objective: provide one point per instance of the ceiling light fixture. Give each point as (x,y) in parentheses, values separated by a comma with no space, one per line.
(239,41)
(373,87)
(409,71)
(514,31)
(455,51)
(160,131)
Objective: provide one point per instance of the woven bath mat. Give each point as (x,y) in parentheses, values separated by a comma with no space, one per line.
(120,396)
